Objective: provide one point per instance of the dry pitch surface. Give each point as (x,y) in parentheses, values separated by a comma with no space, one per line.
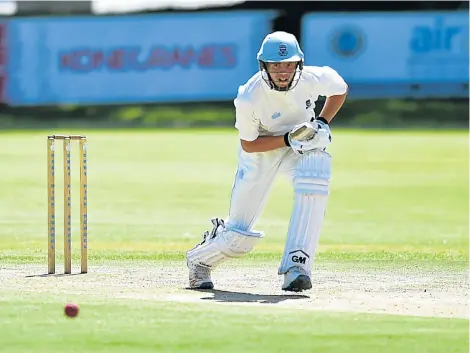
(410,291)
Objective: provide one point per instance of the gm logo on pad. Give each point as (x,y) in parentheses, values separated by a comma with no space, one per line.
(299,256)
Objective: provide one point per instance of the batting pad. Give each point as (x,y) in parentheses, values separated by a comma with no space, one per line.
(311,188)
(226,244)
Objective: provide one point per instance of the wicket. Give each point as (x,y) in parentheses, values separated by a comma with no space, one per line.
(67,139)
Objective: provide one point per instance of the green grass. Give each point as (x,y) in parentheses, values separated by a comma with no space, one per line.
(391,192)
(397,199)
(121,326)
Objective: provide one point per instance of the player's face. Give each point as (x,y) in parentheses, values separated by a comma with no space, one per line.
(282,73)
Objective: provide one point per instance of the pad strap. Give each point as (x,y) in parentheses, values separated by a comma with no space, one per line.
(225,244)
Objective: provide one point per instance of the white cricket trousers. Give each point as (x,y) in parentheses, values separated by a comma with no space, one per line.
(254,178)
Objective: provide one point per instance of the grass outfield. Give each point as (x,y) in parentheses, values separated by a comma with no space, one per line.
(397,224)
(142,326)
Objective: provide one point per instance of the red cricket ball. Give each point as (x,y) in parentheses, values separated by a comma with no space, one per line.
(71,310)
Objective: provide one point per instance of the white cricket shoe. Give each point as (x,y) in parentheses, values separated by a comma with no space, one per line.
(199,276)
(296,280)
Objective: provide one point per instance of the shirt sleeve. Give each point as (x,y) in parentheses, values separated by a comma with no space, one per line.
(245,120)
(331,83)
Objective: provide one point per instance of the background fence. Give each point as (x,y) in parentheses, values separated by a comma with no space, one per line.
(173,67)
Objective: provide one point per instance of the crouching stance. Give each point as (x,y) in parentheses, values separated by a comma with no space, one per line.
(279,134)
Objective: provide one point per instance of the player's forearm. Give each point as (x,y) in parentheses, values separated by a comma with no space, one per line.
(332,106)
(263,144)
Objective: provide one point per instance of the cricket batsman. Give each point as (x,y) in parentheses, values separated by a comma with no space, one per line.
(279,134)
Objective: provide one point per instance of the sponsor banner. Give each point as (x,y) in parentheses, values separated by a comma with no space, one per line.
(3,61)
(392,54)
(134,59)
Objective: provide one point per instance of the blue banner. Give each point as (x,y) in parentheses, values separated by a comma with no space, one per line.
(133,59)
(392,54)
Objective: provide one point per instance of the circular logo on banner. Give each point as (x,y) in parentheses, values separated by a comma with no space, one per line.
(348,42)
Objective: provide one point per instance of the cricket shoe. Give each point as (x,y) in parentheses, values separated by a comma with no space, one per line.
(199,276)
(296,280)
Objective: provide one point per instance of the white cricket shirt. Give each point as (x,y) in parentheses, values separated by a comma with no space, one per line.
(261,111)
